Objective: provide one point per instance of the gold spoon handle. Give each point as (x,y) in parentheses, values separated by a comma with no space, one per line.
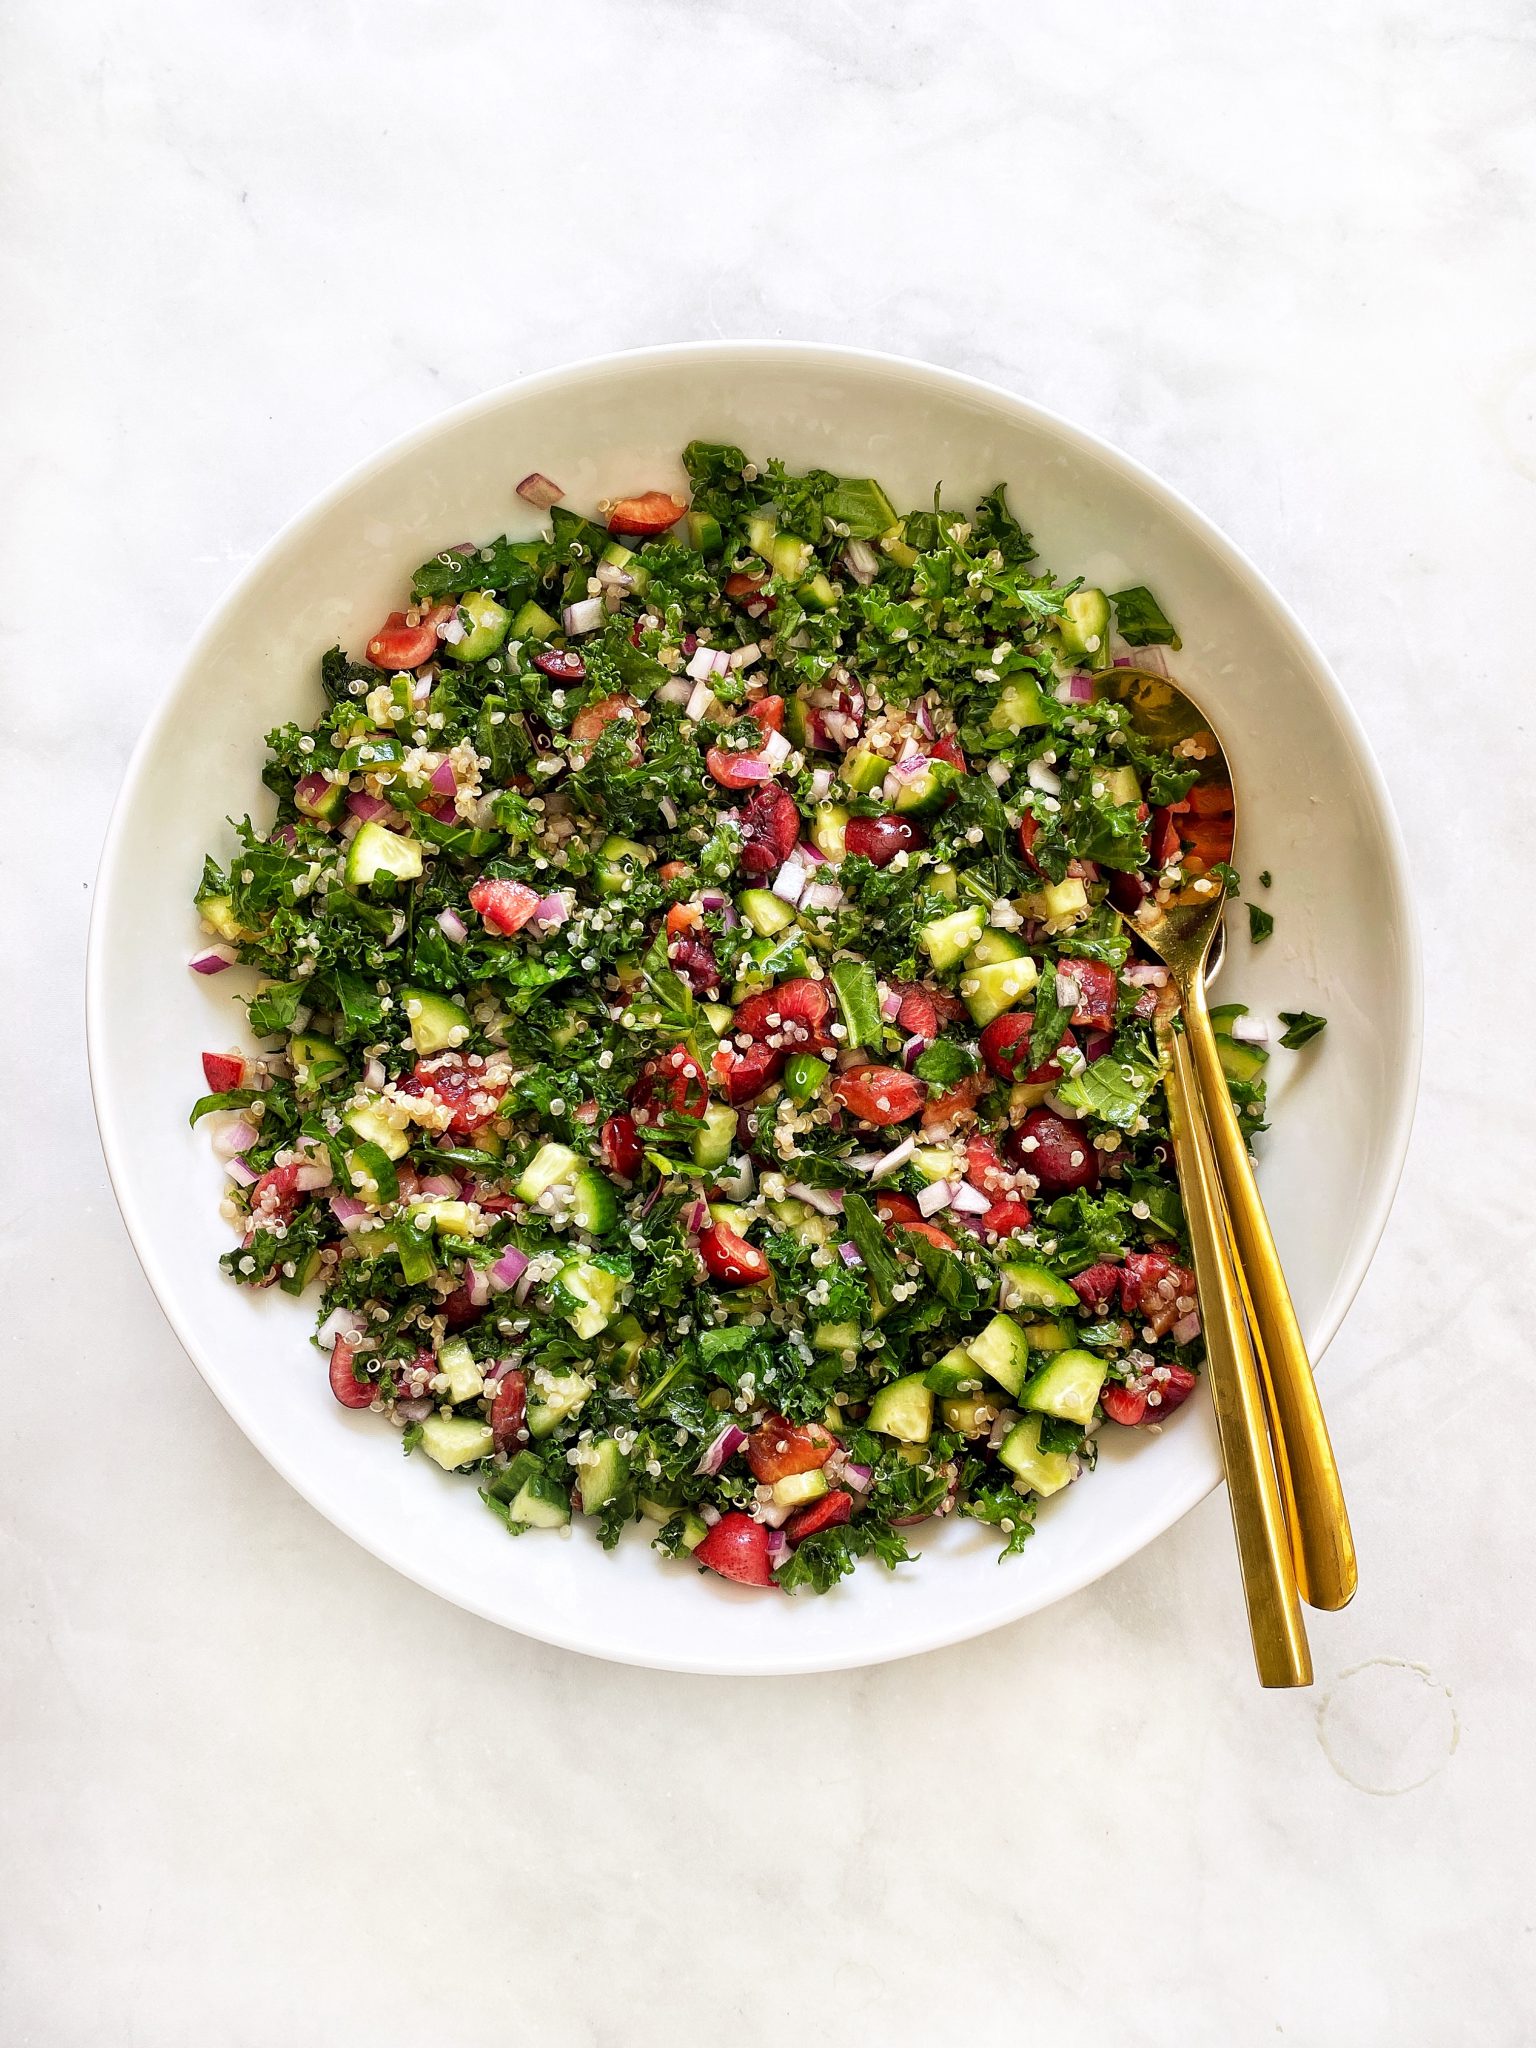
(1323,1544)
(1263,1547)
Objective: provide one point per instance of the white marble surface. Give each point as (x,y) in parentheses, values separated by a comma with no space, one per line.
(256,1786)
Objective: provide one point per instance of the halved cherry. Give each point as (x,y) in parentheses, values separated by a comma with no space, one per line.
(983,1168)
(274,1197)
(932,1233)
(738,771)
(737,1548)
(1097,1285)
(561,664)
(729,1259)
(880,1095)
(592,718)
(830,1512)
(1060,1156)
(778,1449)
(893,1208)
(398,645)
(673,1080)
(879,840)
(745,587)
(948,749)
(509,1406)
(770,827)
(1029,828)
(505,906)
(742,1076)
(769,713)
(1124,1405)
(1129,1405)
(448,1078)
(458,1311)
(795,1013)
(223,1070)
(350,1391)
(1096,994)
(954,1103)
(621,1146)
(1004,1218)
(1163,833)
(649,514)
(1005,1048)
(918,1016)
(692,953)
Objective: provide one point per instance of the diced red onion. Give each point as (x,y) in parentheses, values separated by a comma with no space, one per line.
(554,908)
(284,836)
(777,748)
(540,490)
(451,631)
(668,811)
(700,701)
(822,896)
(1151,658)
(914,1049)
(677,691)
(968,1200)
(861,562)
(421,686)
(708,1515)
(370,808)
(1006,1418)
(477,1285)
(444,781)
(1144,974)
(1250,1030)
(585,616)
(234,1138)
(898,1158)
(242,1175)
(1043,776)
(416,1407)
(511,1267)
(789,883)
(1080,688)
(857,1477)
(998,772)
(1187,1328)
(890,1005)
(438,1187)
(743,657)
(702,666)
(778,1549)
(696,1216)
(738,1186)
(924,718)
(613,578)
(348,1211)
(849,1254)
(724,1447)
(373,1074)
(821,785)
(315,1175)
(772,1516)
(825,1201)
(212,959)
(934,1197)
(524,1287)
(452,926)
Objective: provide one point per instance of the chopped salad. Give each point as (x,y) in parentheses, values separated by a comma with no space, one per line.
(706,1077)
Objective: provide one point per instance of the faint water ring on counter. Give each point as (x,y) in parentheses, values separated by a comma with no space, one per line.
(1388,1726)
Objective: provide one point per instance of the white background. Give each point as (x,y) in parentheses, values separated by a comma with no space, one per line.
(256,1787)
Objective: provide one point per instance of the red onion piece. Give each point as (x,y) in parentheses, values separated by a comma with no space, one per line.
(914,1049)
(314,1176)
(540,490)
(510,1268)
(825,1201)
(899,1157)
(890,1005)
(452,926)
(743,657)
(822,896)
(374,1075)
(553,909)
(371,808)
(347,1211)
(861,561)
(849,1254)
(696,1217)
(1250,1030)
(583,617)
(772,1516)
(444,781)
(709,1515)
(1080,690)
(1144,974)
(234,1138)
(678,691)
(925,724)
(778,1549)
(968,1200)
(857,1477)
(524,1287)
(777,748)
(934,1197)
(438,1187)
(668,811)
(724,1447)
(242,1175)
(1043,776)
(212,959)
(477,1285)
(1187,1328)
(789,883)
(416,1408)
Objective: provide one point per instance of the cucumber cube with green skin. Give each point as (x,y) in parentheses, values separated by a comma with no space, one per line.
(1050,1336)
(617,556)
(373,750)
(371,1123)
(858,1002)
(695,1529)
(1067,1387)
(485,624)
(988,991)
(1020,708)
(445,1217)
(217,912)
(413,1248)
(732,1215)
(903,1410)
(436,1022)
(920,795)
(1002,1353)
(454,1441)
(864,770)
(376,853)
(900,550)
(935,1162)
(1224,1015)
(995,945)
(718,1016)
(551,1163)
(617,861)
(827,830)
(799,1488)
(955,1373)
(789,558)
(803,1076)
(1084,627)
(315,1061)
(534,623)
(557,1400)
(836,1337)
(859,504)
(1067,898)
(457,1366)
(765,912)
(327,806)
(703,531)
(595,1202)
(817,593)
(588,1295)
(762,532)
(716,1134)
(948,939)
(1123,786)
(600,1474)
(1241,1062)
(629,1344)
(1031,1286)
(539,1504)
(1037,1471)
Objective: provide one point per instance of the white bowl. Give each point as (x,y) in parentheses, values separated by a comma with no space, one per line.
(1312,809)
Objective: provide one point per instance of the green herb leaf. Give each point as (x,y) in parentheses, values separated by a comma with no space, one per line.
(1301,1026)
(945,1063)
(1141,619)
(868,1235)
(1260,924)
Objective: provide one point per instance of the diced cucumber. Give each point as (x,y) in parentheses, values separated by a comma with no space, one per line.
(864,770)
(988,991)
(817,593)
(374,852)
(1020,707)
(217,912)
(589,1295)
(718,1016)
(797,1488)
(617,863)
(556,1399)
(457,1366)
(1031,1286)
(373,1125)
(1002,1352)
(859,504)
(1241,1062)
(1067,898)
(703,532)
(803,1075)
(920,795)
(327,804)
(1042,1472)
(434,1020)
(601,1471)
(995,945)
(765,912)
(840,1337)
(539,1504)
(955,1373)
(936,1162)
(858,1001)
(413,1248)
(903,1410)
(1085,627)
(534,623)
(948,939)
(695,1529)
(827,829)
(566,1031)
(1123,785)
(453,1441)
(551,1163)
(789,558)
(732,1215)
(798,727)
(1067,1387)
(1050,1336)
(594,1202)
(802,1222)
(716,1134)
(372,750)
(970,1414)
(629,1341)
(762,532)
(444,1217)
(315,1061)
(899,549)
(617,556)
(485,625)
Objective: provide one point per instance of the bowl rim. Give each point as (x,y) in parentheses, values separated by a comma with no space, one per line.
(1137,1533)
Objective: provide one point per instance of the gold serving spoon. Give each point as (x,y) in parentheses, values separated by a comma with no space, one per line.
(1179,926)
